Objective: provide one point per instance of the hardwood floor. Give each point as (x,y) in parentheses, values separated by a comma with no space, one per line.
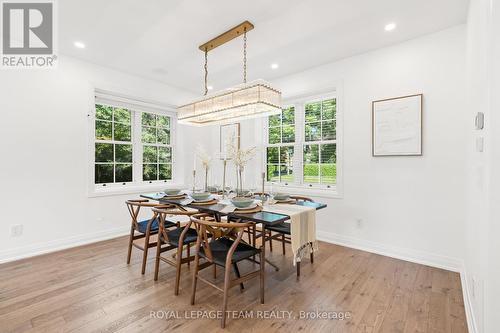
(92,289)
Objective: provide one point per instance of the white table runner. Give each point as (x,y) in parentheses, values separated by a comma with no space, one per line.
(302,229)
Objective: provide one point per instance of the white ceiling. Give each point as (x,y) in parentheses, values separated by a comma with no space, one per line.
(159,39)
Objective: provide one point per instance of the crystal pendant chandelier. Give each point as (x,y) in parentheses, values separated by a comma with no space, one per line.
(247,100)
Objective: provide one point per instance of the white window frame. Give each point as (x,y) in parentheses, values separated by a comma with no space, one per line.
(115,142)
(142,144)
(318,190)
(137,107)
(281,144)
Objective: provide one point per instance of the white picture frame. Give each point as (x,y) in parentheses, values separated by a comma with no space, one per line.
(397,126)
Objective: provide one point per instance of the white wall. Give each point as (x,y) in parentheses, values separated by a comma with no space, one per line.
(44,140)
(492,283)
(482,261)
(411,207)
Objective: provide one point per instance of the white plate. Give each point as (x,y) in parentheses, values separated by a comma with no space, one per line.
(174,195)
(210,198)
(252,206)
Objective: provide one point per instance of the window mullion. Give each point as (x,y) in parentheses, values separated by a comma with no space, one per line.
(138,149)
(299,142)
(279,147)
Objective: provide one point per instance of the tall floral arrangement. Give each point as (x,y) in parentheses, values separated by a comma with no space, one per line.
(206,161)
(240,158)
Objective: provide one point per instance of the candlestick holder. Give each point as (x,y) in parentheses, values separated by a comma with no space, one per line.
(194,180)
(263,196)
(224,180)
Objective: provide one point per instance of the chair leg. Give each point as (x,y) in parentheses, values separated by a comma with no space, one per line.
(254,237)
(195,278)
(270,241)
(238,275)
(312,258)
(215,271)
(283,243)
(157,258)
(130,241)
(254,233)
(178,269)
(261,263)
(145,253)
(298,269)
(226,291)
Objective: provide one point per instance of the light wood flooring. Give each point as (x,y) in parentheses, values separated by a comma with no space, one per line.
(92,289)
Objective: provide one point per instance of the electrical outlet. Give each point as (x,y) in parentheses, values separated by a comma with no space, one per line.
(359,223)
(16,230)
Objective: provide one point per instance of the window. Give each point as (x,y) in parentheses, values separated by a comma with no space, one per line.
(280,153)
(113,145)
(124,135)
(302,144)
(156,149)
(320,152)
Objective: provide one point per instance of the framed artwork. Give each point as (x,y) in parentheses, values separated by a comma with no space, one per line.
(397,126)
(229,133)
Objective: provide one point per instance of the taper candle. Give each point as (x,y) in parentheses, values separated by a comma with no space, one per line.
(263,183)
(194,180)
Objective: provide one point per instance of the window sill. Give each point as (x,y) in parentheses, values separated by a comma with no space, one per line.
(331,193)
(102,191)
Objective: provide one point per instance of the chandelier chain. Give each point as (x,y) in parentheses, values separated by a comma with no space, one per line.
(245,56)
(206,71)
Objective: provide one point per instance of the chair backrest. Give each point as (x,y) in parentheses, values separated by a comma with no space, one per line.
(298,197)
(134,207)
(171,210)
(208,229)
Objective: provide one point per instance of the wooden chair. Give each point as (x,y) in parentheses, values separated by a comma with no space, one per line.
(255,231)
(282,230)
(219,243)
(174,239)
(144,228)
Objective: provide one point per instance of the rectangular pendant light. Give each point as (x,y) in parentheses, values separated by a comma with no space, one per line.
(248,100)
(251,100)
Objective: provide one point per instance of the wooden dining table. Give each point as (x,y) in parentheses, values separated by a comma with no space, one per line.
(263,217)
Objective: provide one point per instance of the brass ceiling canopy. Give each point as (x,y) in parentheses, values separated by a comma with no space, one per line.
(227,36)
(247,100)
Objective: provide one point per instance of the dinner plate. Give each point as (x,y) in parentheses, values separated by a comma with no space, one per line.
(210,198)
(175,195)
(252,206)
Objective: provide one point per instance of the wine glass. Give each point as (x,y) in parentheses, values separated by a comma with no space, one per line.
(272,190)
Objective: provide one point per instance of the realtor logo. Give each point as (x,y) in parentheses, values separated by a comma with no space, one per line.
(28,34)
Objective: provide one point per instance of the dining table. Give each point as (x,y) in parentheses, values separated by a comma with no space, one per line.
(217,210)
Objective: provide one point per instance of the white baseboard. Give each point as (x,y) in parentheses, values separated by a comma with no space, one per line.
(419,257)
(469,309)
(60,244)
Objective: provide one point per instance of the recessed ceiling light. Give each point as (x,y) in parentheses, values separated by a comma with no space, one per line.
(275,66)
(390,26)
(210,87)
(79,45)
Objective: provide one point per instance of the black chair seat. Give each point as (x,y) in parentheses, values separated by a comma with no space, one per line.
(282,228)
(221,246)
(174,235)
(143,225)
